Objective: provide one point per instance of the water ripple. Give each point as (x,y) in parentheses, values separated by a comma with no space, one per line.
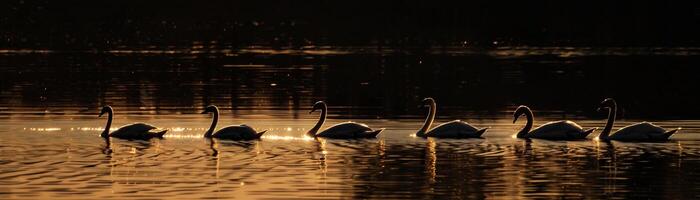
(62,164)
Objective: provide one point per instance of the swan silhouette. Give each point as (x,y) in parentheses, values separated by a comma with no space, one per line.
(130,131)
(235,132)
(346,130)
(644,131)
(556,130)
(452,129)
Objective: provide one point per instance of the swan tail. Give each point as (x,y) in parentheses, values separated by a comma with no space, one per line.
(161,133)
(260,134)
(588,132)
(481,132)
(374,133)
(671,132)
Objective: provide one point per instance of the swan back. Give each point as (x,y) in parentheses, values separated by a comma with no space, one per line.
(559,130)
(138,127)
(641,131)
(644,127)
(346,130)
(138,131)
(240,132)
(455,129)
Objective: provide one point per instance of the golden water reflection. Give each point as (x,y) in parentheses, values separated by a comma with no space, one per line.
(287,164)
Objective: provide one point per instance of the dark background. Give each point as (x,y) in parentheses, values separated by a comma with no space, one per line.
(477,58)
(108,24)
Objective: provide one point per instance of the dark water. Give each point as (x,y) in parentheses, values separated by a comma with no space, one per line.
(50,149)
(356,81)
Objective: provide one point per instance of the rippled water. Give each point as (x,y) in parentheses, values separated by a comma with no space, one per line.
(62,157)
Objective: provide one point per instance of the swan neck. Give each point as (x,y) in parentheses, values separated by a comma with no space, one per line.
(110,116)
(214,121)
(428,120)
(530,120)
(321,120)
(612,113)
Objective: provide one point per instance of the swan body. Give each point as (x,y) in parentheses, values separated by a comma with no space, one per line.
(240,132)
(559,130)
(452,129)
(644,131)
(349,130)
(346,130)
(556,130)
(455,129)
(234,132)
(130,131)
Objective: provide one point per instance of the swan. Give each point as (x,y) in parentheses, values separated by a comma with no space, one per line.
(344,130)
(452,129)
(235,132)
(130,131)
(556,130)
(644,131)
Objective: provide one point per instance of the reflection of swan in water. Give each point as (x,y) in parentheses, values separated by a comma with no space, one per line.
(644,131)
(344,130)
(108,147)
(212,146)
(235,132)
(215,144)
(557,130)
(453,129)
(130,131)
(522,147)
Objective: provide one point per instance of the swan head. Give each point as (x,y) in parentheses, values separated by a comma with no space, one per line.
(210,109)
(318,105)
(607,103)
(521,110)
(428,101)
(105,109)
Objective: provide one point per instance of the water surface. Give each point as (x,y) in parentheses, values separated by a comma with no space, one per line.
(62,157)
(356,81)
(50,149)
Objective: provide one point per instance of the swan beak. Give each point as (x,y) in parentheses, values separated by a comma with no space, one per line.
(100,114)
(203,112)
(514,120)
